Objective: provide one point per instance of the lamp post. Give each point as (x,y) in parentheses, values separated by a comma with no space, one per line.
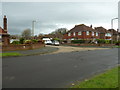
(111,30)
(112,22)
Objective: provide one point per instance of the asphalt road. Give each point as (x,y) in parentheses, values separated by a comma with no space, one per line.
(55,70)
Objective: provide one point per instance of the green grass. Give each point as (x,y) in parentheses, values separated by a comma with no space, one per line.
(116,46)
(109,79)
(9,54)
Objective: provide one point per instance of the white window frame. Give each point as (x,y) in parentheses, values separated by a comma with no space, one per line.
(80,33)
(93,33)
(108,34)
(69,34)
(74,33)
(96,33)
(87,33)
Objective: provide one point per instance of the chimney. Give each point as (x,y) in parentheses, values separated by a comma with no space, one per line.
(5,23)
(91,26)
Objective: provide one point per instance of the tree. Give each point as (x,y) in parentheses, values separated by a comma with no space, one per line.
(26,34)
(59,33)
(15,36)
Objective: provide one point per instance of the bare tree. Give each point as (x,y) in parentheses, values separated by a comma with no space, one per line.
(26,34)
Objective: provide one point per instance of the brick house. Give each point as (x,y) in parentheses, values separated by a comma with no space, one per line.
(115,34)
(104,34)
(4,36)
(81,32)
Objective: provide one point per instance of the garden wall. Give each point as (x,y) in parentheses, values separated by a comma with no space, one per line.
(21,47)
(96,45)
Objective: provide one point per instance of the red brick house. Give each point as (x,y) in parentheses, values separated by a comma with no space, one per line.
(115,34)
(4,36)
(104,34)
(81,32)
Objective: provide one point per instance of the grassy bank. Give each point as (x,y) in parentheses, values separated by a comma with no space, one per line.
(9,54)
(109,79)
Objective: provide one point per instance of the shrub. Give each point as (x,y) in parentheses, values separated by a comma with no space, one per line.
(77,41)
(22,40)
(15,42)
(101,41)
(28,42)
(34,41)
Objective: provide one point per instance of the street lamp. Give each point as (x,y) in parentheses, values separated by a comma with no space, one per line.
(112,22)
(111,30)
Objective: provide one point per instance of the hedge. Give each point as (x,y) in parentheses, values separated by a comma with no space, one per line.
(77,41)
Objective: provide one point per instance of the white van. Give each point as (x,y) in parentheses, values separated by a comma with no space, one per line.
(47,41)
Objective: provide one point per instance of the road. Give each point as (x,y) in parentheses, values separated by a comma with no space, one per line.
(56,70)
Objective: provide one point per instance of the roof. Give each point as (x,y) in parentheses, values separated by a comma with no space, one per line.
(113,31)
(102,30)
(3,32)
(81,27)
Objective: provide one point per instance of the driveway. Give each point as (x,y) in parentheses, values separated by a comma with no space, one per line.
(64,49)
(56,70)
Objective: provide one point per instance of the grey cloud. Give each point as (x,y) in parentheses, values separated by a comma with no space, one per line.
(20,15)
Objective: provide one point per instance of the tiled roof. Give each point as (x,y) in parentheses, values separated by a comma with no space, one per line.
(102,30)
(113,31)
(81,27)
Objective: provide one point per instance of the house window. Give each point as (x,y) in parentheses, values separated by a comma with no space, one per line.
(80,33)
(74,33)
(96,34)
(92,33)
(87,32)
(69,34)
(108,34)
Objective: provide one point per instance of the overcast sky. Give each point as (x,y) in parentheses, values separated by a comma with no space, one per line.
(53,15)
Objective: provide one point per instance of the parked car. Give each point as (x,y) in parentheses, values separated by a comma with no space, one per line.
(56,43)
(47,41)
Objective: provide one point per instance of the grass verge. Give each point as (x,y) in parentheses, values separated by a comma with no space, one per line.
(109,79)
(10,54)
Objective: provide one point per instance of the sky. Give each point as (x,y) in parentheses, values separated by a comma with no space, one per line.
(50,16)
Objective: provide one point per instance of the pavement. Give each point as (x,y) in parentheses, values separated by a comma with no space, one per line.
(44,50)
(56,70)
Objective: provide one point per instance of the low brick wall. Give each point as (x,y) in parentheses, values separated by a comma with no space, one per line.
(97,45)
(21,47)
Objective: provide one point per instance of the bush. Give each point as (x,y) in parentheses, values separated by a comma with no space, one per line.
(34,41)
(28,42)
(78,41)
(15,42)
(102,41)
(22,40)
(57,39)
